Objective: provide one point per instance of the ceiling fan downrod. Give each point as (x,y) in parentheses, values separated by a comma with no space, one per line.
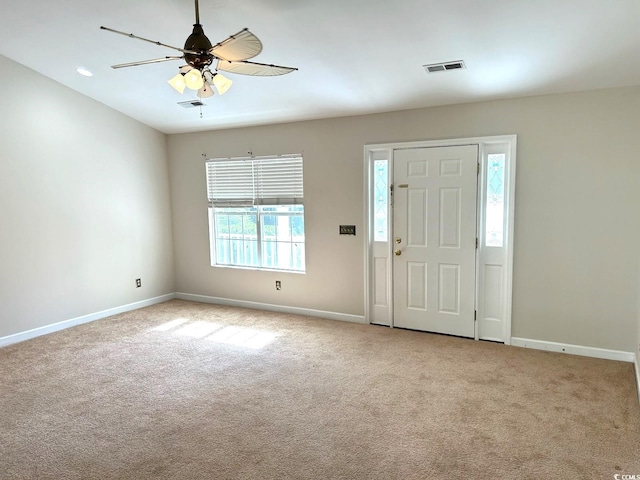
(198,42)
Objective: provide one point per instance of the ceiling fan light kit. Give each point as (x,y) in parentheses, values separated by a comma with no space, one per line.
(230,55)
(193,79)
(177,83)
(221,83)
(206,91)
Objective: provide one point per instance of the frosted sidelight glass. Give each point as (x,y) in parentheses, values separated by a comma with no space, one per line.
(380,199)
(494,228)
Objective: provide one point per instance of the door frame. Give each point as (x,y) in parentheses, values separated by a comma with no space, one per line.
(493,293)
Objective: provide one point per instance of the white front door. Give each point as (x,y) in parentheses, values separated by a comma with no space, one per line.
(434,239)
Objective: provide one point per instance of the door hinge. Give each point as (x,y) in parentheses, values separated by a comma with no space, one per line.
(478,168)
(475,315)
(476,243)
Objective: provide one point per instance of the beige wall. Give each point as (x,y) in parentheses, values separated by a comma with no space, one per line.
(85,208)
(637,350)
(577,229)
(84,204)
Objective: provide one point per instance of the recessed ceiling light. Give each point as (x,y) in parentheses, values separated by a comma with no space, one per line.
(84,71)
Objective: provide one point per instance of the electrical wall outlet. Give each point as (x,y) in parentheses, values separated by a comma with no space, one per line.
(278,285)
(138,282)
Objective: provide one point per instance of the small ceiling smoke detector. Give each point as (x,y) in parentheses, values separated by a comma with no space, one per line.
(192,104)
(444,67)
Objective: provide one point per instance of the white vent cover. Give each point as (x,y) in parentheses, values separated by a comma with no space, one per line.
(192,104)
(444,67)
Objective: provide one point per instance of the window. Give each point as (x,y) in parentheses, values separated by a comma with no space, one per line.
(380,200)
(256,213)
(494,228)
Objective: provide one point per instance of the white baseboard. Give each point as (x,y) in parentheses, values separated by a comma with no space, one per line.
(272,308)
(574,349)
(36,332)
(637,365)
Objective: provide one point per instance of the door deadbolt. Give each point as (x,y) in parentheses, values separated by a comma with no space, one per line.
(398,240)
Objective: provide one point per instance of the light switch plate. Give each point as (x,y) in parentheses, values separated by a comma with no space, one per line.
(347,229)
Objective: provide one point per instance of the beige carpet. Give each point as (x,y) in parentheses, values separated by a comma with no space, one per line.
(184,390)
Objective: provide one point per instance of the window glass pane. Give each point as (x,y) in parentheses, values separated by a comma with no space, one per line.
(251,258)
(297,262)
(297,228)
(494,232)
(249,227)
(222,251)
(235,224)
(268,227)
(282,229)
(269,254)
(222,223)
(261,237)
(283,256)
(236,252)
(279,255)
(222,238)
(236,236)
(380,200)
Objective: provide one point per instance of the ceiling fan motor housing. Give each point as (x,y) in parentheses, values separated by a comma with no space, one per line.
(198,42)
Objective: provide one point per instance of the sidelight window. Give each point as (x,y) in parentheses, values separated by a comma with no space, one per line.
(494,227)
(380,200)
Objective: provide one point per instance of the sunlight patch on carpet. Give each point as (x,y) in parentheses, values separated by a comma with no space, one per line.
(217,333)
(198,329)
(165,327)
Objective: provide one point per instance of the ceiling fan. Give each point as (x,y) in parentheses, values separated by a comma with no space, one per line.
(230,55)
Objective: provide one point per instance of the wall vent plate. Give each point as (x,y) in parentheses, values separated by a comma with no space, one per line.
(347,229)
(444,67)
(192,104)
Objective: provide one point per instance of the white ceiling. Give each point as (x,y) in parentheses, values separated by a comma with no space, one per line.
(354,56)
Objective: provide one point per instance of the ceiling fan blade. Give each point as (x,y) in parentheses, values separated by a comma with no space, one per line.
(146,62)
(240,46)
(131,35)
(253,68)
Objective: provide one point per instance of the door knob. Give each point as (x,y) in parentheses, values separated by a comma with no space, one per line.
(398,252)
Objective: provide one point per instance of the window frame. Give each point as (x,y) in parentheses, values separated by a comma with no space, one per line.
(261,195)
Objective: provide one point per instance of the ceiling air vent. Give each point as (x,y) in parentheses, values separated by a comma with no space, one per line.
(192,104)
(443,67)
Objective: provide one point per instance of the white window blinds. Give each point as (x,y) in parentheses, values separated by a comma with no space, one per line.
(255,181)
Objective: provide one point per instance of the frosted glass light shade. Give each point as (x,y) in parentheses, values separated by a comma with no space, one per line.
(222,83)
(177,83)
(205,91)
(193,79)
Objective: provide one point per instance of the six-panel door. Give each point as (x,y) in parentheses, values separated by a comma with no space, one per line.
(434,235)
